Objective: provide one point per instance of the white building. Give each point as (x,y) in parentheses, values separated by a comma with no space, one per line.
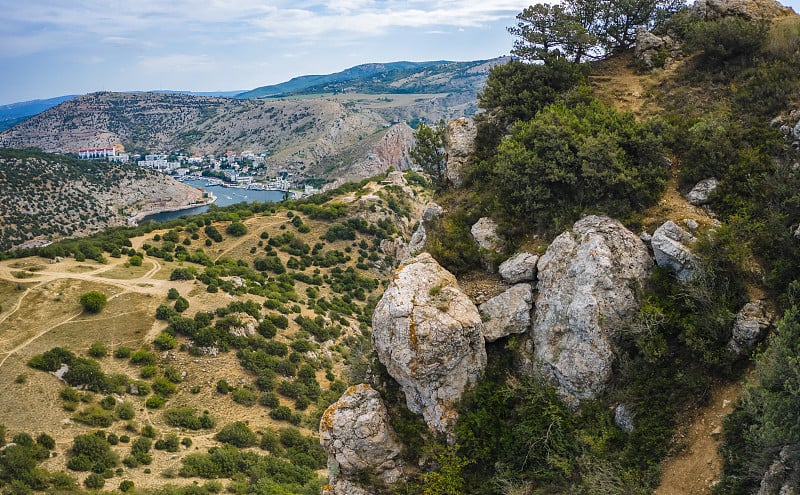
(96,153)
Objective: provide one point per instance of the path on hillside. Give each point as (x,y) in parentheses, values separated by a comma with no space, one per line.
(696,467)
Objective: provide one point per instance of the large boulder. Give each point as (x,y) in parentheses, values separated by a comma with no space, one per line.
(507,313)
(356,433)
(588,280)
(778,479)
(429,336)
(701,193)
(490,243)
(460,143)
(670,249)
(749,327)
(747,9)
(519,268)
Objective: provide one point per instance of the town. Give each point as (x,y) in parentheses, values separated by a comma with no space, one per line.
(245,170)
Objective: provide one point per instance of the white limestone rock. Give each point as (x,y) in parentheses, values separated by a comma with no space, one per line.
(460,143)
(670,249)
(749,327)
(356,433)
(428,334)
(519,268)
(416,245)
(701,193)
(588,281)
(507,313)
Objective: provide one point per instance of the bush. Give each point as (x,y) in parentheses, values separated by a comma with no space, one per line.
(575,157)
(182,274)
(98,350)
(165,341)
(244,396)
(237,434)
(125,485)
(126,411)
(281,413)
(143,357)
(186,417)
(237,229)
(122,352)
(94,481)
(93,301)
(181,304)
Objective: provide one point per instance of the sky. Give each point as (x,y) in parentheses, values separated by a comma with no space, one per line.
(51,48)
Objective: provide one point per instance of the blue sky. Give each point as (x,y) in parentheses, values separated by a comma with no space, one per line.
(56,47)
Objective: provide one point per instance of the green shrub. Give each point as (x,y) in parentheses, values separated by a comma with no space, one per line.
(237,434)
(98,350)
(93,301)
(94,481)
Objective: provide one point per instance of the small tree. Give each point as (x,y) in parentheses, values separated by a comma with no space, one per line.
(429,152)
(93,301)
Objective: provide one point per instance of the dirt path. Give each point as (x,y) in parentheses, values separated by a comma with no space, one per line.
(33,338)
(695,468)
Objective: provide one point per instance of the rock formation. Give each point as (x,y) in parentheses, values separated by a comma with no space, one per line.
(428,334)
(356,433)
(749,327)
(701,192)
(507,313)
(460,142)
(519,268)
(491,243)
(653,51)
(777,480)
(587,286)
(431,212)
(747,9)
(669,248)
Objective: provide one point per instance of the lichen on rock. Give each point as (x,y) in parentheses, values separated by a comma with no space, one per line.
(428,334)
(588,283)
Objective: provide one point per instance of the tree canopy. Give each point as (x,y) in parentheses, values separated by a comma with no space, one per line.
(579,29)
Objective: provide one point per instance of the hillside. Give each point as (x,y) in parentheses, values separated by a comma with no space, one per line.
(600,296)
(304,83)
(276,325)
(14,113)
(346,128)
(49,197)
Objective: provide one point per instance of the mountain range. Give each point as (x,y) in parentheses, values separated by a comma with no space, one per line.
(340,126)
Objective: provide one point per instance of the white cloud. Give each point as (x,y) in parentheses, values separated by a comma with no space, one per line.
(116,21)
(175,63)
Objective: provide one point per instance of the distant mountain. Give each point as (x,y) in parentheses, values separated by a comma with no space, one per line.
(357,126)
(430,78)
(302,83)
(218,94)
(14,113)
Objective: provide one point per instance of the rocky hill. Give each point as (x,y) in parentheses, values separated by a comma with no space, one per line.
(45,197)
(352,134)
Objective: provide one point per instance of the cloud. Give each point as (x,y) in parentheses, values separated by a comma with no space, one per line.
(123,21)
(175,63)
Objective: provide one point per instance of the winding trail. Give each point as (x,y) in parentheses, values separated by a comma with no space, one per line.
(144,284)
